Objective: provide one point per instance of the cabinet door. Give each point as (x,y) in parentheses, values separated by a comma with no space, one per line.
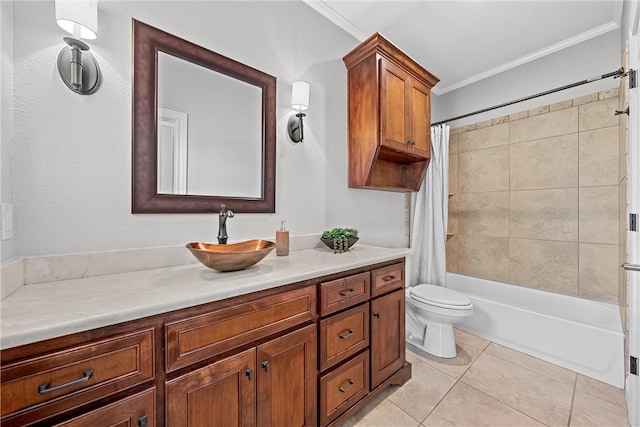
(394,106)
(420,112)
(137,410)
(387,336)
(287,380)
(221,394)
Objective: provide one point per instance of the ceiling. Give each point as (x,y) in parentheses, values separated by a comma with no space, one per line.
(462,42)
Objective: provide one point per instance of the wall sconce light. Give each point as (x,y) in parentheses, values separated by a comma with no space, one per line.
(77,66)
(300,102)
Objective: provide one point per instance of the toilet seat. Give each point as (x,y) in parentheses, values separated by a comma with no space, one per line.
(440,297)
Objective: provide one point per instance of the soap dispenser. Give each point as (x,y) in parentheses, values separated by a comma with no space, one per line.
(282,241)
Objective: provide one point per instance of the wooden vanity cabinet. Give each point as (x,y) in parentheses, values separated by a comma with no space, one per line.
(362,346)
(309,353)
(273,384)
(389,117)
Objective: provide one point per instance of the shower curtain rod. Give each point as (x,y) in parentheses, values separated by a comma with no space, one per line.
(615,74)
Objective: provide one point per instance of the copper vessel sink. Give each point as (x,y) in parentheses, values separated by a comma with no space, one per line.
(231,257)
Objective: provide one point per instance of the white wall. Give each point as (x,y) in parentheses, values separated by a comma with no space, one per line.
(73,162)
(591,58)
(6,119)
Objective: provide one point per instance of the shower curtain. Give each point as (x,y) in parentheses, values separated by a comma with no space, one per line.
(429,226)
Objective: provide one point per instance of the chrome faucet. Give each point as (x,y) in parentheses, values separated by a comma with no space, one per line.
(222,224)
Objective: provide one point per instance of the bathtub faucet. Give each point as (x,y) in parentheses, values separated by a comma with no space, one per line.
(222,224)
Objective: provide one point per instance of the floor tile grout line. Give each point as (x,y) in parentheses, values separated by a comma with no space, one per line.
(494,397)
(506,404)
(534,371)
(573,399)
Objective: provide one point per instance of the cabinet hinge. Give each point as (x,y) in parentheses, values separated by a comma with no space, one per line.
(633,222)
(633,365)
(633,79)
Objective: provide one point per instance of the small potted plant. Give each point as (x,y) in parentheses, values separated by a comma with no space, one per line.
(340,239)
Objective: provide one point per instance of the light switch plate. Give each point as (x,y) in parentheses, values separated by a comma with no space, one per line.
(7,221)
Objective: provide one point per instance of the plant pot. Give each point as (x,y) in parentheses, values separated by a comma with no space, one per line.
(350,242)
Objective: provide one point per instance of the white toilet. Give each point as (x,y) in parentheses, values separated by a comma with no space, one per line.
(431,313)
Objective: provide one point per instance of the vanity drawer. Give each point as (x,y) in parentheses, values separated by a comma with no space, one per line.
(387,279)
(343,335)
(196,338)
(137,410)
(342,293)
(340,389)
(74,376)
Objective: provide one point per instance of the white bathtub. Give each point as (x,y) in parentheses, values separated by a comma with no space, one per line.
(578,334)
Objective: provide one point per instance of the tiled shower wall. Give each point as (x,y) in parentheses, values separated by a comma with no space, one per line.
(534,198)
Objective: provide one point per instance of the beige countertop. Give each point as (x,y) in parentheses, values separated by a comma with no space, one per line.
(53,309)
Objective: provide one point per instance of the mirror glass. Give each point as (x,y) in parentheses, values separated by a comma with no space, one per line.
(203,129)
(209,131)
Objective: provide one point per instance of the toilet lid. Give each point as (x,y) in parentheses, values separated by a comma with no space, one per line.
(440,295)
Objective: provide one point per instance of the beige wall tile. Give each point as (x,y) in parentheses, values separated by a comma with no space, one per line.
(484,256)
(544,163)
(484,213)
(598,273)
(592,97)
(560,122)
(538,110)
(455,131)
(452,218)
(623,122)
(498,120)
(518,116)
(598,214)
(598,157)
(453,143)
(484,170)
(544,264)
(544,214)
(596,115)
(453,173)
(561,105)
(452,254)
(611,93)
(486,137)
(467,128)
(483,124)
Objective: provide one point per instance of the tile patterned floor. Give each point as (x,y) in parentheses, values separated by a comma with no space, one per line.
(491,385)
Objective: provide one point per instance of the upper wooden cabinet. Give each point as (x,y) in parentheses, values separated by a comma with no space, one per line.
(389,117)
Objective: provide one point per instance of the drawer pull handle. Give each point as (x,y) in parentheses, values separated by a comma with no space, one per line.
(345,293)
(344,336)
(249,374)
(346,389)
(142,421)
(388,278)
(46,388)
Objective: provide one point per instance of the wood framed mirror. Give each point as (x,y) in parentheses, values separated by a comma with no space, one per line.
(229,159)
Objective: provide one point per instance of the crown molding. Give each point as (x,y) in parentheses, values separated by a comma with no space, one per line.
(571,41)
(325,10)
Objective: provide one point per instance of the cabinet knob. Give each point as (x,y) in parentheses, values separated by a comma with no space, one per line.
(265,365)
(142,421)
(376,315)
(249,374)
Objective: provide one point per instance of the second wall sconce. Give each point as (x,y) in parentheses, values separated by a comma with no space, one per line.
(299,102)
(77,66)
